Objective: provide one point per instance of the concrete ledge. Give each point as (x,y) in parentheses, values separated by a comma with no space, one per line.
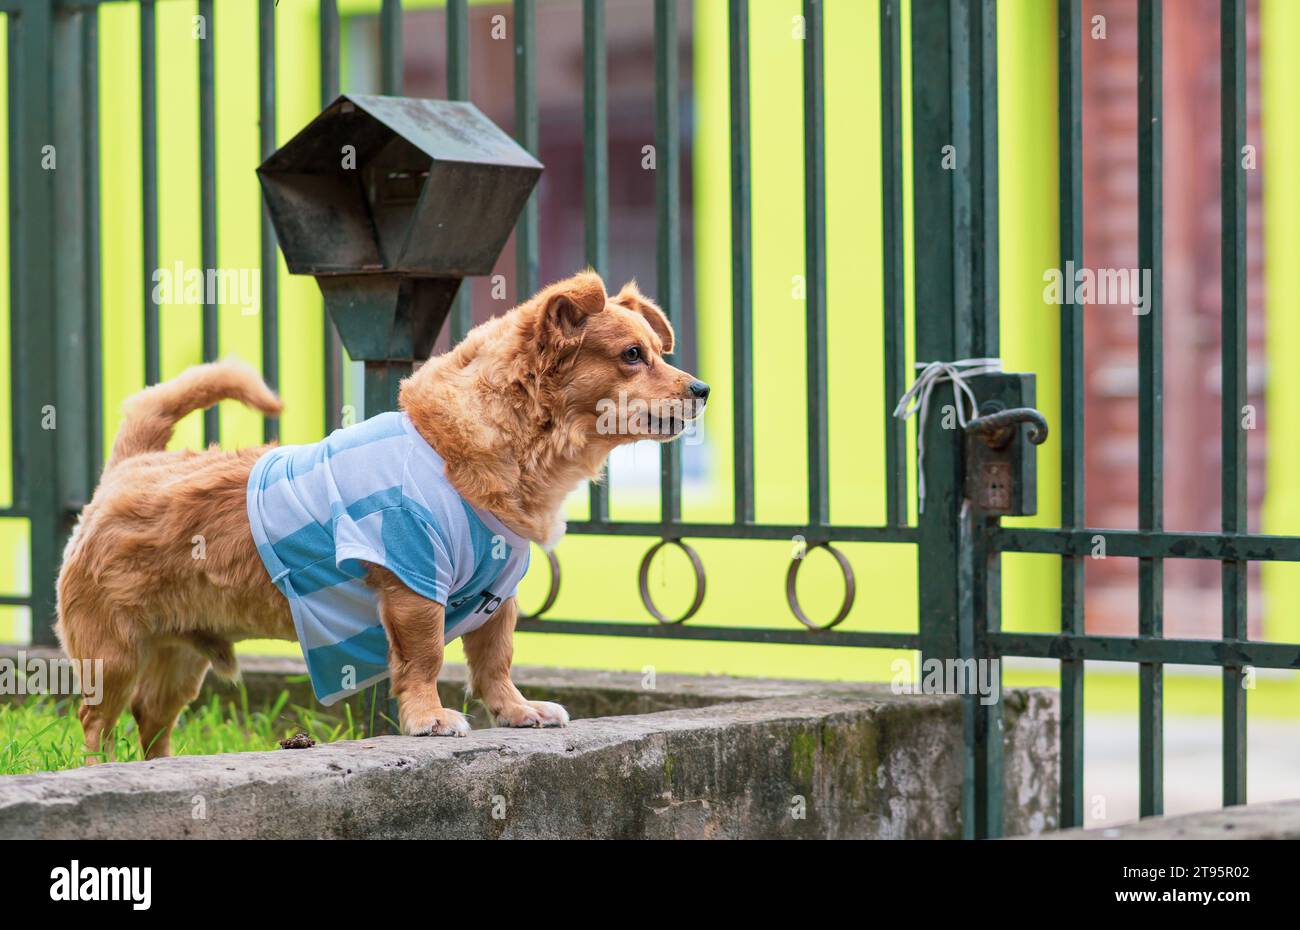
(1278,820)
(854,760)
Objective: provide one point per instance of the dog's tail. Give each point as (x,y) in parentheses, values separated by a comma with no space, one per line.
(151,415)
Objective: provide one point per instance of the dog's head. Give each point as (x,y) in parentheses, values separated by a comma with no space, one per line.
(602,362)
(531,403)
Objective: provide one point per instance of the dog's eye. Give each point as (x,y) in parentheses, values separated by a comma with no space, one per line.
(632,354)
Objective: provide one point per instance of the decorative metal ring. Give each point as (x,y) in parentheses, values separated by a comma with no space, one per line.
(551,594)
(850,587)
(644,581)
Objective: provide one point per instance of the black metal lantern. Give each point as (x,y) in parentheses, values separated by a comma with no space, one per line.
(389,202)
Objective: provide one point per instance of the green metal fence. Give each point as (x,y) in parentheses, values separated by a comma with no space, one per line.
(53,75)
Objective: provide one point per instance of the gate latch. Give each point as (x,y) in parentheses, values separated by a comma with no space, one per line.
(1001,475)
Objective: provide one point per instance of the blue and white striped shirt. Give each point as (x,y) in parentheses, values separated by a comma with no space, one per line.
(376,492)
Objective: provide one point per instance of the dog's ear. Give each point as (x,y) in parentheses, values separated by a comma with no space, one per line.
(632,298)
(568,305)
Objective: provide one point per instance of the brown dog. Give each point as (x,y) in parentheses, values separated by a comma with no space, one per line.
(161,575)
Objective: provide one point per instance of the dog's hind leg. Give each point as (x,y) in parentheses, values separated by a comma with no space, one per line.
(114,665)
(171,675)
(489,651)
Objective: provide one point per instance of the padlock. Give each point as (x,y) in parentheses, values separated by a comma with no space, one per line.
(1001,475)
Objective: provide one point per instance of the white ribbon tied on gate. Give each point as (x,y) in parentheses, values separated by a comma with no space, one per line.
(917,400)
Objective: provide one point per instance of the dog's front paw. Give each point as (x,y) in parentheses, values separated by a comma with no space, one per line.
(440,722)
(532,714)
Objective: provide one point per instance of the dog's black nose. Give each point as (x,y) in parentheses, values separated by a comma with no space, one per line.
(700,390)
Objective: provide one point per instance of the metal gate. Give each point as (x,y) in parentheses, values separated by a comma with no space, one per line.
(55,260)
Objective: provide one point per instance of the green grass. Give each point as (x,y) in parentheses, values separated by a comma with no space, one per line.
(42,734)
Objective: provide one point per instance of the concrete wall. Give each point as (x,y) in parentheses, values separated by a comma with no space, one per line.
(735,758)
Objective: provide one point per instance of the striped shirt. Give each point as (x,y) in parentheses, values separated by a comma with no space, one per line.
(376,492)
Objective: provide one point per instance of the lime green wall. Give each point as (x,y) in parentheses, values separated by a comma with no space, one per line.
(1028,205)
(1279,90)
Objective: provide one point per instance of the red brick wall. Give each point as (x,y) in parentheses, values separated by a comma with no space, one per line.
(1192,304)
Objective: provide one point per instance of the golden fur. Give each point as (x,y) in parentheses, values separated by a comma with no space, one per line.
(160,576)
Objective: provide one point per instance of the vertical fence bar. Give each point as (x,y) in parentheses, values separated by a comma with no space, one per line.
(984,724)
(956,232)
(149,184)
(332,366)
(595,174)
(19,391)
(1070,143)
(668,221)
(70,386)
(814,168)
(1232,62)
(983,44)
(458,49)
(526,133)
(742,268)
(462,308)
(942,330)
(208,205)
(270,265)
(33,259)
(974,183)
(72,308)
(90,184)
(329,51)
(381,379)
(390,47)
(1150,402)
(893,305)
